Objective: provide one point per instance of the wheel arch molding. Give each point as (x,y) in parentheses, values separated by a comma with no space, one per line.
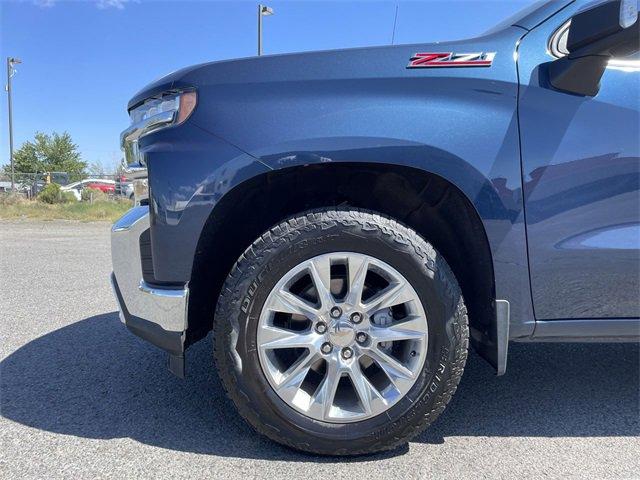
(412,183)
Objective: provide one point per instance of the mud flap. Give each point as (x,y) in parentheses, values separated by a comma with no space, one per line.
(502,335)
(493,344)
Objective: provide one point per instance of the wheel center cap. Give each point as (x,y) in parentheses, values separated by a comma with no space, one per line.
(341,333)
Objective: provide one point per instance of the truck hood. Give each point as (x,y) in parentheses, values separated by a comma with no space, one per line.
(353,63)
(379,62)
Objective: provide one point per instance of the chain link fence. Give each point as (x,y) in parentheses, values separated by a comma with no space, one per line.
(29,185)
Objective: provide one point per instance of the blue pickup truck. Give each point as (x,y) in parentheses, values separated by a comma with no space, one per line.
(348,222)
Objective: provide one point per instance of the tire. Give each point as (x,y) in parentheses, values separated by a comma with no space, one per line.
(307,236)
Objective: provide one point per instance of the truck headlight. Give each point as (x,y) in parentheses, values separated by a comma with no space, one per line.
(172,108)
(153,114)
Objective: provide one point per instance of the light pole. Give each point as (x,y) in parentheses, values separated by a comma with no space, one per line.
(263,11)
(11,61)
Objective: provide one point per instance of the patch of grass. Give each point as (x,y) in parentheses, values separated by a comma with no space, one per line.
(109,210)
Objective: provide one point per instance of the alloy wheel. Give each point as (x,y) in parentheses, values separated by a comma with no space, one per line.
(342,337)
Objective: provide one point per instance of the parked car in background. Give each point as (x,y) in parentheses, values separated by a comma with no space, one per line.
(124,187)
(61,178)
(105,186)
(348,222)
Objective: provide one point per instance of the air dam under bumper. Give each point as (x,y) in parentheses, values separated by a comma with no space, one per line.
(158,315)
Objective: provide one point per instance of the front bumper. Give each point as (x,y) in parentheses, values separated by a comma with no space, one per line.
(158,315)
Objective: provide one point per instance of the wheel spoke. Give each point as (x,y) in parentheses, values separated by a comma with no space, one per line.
(397,373)
(272,338)
(367,393)
(293,377)
(287,302)
(320,269)
(412,328)
(322,401)
(396,294)
(357,268)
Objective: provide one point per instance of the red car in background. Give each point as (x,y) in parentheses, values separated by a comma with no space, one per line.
(106,186)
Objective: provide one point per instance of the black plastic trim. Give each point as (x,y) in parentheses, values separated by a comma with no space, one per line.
(146,257)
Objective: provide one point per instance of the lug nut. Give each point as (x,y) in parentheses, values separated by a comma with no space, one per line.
(326,347)
(361,337)
(356,317)
(321,327)
(347,353)
(335,312)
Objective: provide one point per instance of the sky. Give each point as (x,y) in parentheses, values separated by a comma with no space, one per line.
(83,60)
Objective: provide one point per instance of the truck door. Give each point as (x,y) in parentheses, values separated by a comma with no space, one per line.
(581,172)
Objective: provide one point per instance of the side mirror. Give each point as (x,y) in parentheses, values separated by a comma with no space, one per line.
(595,36)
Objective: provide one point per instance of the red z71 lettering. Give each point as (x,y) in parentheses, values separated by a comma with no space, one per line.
(435,60)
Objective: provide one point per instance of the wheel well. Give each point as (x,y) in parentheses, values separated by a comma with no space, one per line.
(426,202)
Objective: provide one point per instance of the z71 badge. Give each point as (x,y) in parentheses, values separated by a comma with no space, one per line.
(440,60)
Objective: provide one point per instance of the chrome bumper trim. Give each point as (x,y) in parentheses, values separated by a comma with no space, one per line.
(129,138)
(136,168)
(166,308)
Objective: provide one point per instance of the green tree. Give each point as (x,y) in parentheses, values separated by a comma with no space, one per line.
(49,153)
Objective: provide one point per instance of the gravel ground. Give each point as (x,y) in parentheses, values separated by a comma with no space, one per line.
(83,398)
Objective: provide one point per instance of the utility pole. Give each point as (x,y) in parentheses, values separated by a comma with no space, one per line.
(10,72)
(263,11)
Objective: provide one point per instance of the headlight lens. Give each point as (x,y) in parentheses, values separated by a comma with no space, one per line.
(155,113)
(175,106)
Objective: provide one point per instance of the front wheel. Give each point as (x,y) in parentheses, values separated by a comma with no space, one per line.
(340,332)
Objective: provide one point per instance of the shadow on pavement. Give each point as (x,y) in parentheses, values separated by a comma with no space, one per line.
(94,379)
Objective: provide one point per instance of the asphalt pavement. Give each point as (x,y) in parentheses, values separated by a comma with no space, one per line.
(81,397)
